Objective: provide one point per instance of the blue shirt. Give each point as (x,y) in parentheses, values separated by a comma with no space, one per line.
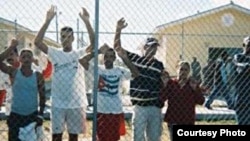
(25,94)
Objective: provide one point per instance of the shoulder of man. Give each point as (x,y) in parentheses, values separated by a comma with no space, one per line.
(159,63)
(51,48)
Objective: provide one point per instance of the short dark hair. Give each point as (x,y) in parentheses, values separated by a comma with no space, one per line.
(67,29)
(110,50)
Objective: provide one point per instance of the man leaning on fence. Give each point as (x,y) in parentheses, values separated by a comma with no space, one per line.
(28,92)
(68,87)
(242,83)
(144,90)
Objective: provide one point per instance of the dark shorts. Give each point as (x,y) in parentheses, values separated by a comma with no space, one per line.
(109,126)
(16,121)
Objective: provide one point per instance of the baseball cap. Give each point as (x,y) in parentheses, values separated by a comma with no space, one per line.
(152,41)
(246,40)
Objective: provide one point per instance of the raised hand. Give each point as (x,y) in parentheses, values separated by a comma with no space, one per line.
(84,14)
(121,24)
(51,13)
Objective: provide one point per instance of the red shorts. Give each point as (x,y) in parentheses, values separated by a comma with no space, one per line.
(110,126)
(2,96)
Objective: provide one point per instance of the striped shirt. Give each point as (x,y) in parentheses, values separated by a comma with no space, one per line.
(145,89)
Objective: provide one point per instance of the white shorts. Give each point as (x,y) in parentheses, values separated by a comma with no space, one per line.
(74,119)
(146,119)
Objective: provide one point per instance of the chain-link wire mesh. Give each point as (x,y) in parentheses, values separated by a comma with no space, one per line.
(199,74)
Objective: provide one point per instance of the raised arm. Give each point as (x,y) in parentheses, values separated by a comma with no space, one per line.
(123,55)
(3,67)
(85,60)
(121,24)
(85,17)
(40,35)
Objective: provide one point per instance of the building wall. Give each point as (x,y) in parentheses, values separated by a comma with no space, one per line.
(194,37)
(26,38)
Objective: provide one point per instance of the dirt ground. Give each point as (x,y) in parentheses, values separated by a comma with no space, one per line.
(88,135)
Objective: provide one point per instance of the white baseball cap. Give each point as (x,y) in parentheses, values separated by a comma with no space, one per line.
(152,41)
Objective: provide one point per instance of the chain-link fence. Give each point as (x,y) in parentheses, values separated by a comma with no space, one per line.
(164,63)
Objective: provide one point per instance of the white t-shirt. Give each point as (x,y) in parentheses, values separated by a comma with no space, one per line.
(109,95)
(68,80)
